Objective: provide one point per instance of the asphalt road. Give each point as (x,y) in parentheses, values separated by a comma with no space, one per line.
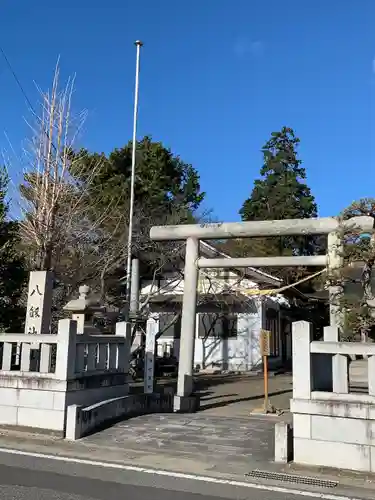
(30,478)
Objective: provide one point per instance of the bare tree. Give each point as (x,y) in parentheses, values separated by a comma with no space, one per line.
(51,201)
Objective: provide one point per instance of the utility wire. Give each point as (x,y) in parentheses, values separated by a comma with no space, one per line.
(17,80)
(23,91)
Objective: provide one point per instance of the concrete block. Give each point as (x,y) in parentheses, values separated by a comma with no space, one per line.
(331,454)
(41,418)
(8,415)
(59,400)
(73,420)
(372,458)
(283,442)
(302,426)
(331,334)
(8,396)
(36,399)
(185,404)
(341,430)
(333,408)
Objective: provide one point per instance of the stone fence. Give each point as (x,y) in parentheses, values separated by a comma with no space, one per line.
(332,426)
(42,374)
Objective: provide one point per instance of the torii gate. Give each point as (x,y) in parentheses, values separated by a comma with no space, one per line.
(184,400)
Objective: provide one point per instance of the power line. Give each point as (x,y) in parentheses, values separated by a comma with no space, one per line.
(17,80)
(23,91)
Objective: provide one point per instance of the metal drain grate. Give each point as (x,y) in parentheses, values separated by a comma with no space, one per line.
(292,478)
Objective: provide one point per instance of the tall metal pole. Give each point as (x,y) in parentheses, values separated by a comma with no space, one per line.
(138,44)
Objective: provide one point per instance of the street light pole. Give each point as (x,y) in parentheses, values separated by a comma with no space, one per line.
(138,44)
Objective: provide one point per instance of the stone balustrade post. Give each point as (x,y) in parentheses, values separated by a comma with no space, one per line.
(302,376)
(66,349)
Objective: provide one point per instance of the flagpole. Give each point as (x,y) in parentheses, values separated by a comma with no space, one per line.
(138,45)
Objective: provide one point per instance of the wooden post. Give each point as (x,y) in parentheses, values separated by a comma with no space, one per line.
(265,374)
(265,336)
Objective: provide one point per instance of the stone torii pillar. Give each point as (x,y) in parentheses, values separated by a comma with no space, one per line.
(184,400)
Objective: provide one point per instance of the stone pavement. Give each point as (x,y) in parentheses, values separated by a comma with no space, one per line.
(221,443)
(221,437)
(195,444)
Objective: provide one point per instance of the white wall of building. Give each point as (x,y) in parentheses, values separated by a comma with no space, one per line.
(241,352)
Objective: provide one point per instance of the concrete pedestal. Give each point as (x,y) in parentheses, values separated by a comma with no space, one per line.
(185,404)
(283,442)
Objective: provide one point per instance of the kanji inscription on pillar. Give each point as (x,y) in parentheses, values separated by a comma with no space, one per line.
(149,368)
(39,301)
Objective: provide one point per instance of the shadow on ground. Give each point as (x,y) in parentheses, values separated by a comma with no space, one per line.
(201,382)
(220,404)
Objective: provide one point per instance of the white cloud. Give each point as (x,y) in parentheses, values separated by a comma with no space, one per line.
(246,47)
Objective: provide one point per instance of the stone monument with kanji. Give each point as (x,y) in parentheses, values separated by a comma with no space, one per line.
(39,303)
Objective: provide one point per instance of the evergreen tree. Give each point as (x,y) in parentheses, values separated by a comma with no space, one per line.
(13,275)
(281,193)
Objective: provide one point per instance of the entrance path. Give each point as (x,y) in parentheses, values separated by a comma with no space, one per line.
(235,395)
(222,444)
(238,395)
(221,437)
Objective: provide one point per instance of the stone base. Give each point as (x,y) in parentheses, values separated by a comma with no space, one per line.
(335,430)
(185,404)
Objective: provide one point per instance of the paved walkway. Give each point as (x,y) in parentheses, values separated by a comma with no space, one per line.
(238,395)
(220,443)
(223,436)
(195,444)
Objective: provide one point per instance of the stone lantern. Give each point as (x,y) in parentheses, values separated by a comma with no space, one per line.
(83,310)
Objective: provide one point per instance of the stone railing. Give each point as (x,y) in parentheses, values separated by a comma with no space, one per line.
(332,426)
(102,353)
(321,367)
(41,375)
(38,355)
(65,355)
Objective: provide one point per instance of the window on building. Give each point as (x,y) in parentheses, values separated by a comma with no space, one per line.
(217,325)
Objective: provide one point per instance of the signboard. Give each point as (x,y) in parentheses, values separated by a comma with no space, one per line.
(265,347)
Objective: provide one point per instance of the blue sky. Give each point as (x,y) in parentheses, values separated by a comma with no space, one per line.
(217,77)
